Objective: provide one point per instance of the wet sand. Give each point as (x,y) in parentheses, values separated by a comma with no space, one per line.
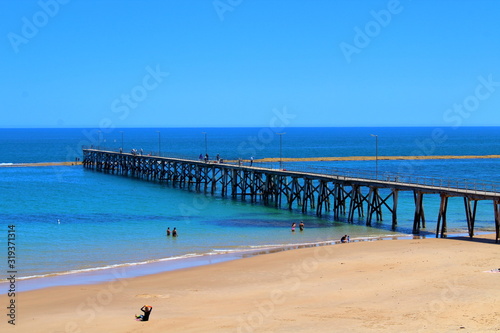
(428,285)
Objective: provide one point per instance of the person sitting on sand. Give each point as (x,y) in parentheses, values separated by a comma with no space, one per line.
(147,311)
(344,239)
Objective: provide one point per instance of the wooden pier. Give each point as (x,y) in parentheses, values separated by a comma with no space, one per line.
(346,195)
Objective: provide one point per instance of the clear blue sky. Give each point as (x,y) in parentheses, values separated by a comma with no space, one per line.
(205,63)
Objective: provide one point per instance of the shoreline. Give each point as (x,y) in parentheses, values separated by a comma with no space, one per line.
(297,159)
(436,285)
(105,274)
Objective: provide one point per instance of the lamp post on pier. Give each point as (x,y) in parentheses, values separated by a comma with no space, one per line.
(159,143)
(376,154)
(281,144)
(121,147)
(206,143)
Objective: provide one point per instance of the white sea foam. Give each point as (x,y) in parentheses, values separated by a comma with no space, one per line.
(114,266)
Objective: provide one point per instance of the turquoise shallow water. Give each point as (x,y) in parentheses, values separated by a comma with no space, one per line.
(71,219)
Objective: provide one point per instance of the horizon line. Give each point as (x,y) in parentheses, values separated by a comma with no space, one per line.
(204,127)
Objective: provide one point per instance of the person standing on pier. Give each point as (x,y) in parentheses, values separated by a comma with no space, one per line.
(251,160)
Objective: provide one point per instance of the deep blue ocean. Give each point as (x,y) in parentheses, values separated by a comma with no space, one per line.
(71,219)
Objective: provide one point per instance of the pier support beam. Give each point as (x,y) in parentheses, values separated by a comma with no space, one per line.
(419,218)
(376,202)
(470,213)
(496,204)
(324,193)
(308,194)
(357,199)
(373,206)
(339,200)
(441,221)
(296,190)
(395,195)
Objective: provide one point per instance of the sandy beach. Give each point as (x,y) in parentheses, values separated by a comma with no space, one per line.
(431,285)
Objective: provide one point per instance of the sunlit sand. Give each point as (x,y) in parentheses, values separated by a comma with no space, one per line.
(413,285)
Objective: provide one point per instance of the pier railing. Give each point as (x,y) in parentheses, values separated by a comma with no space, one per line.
(414,179)
(475,186)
